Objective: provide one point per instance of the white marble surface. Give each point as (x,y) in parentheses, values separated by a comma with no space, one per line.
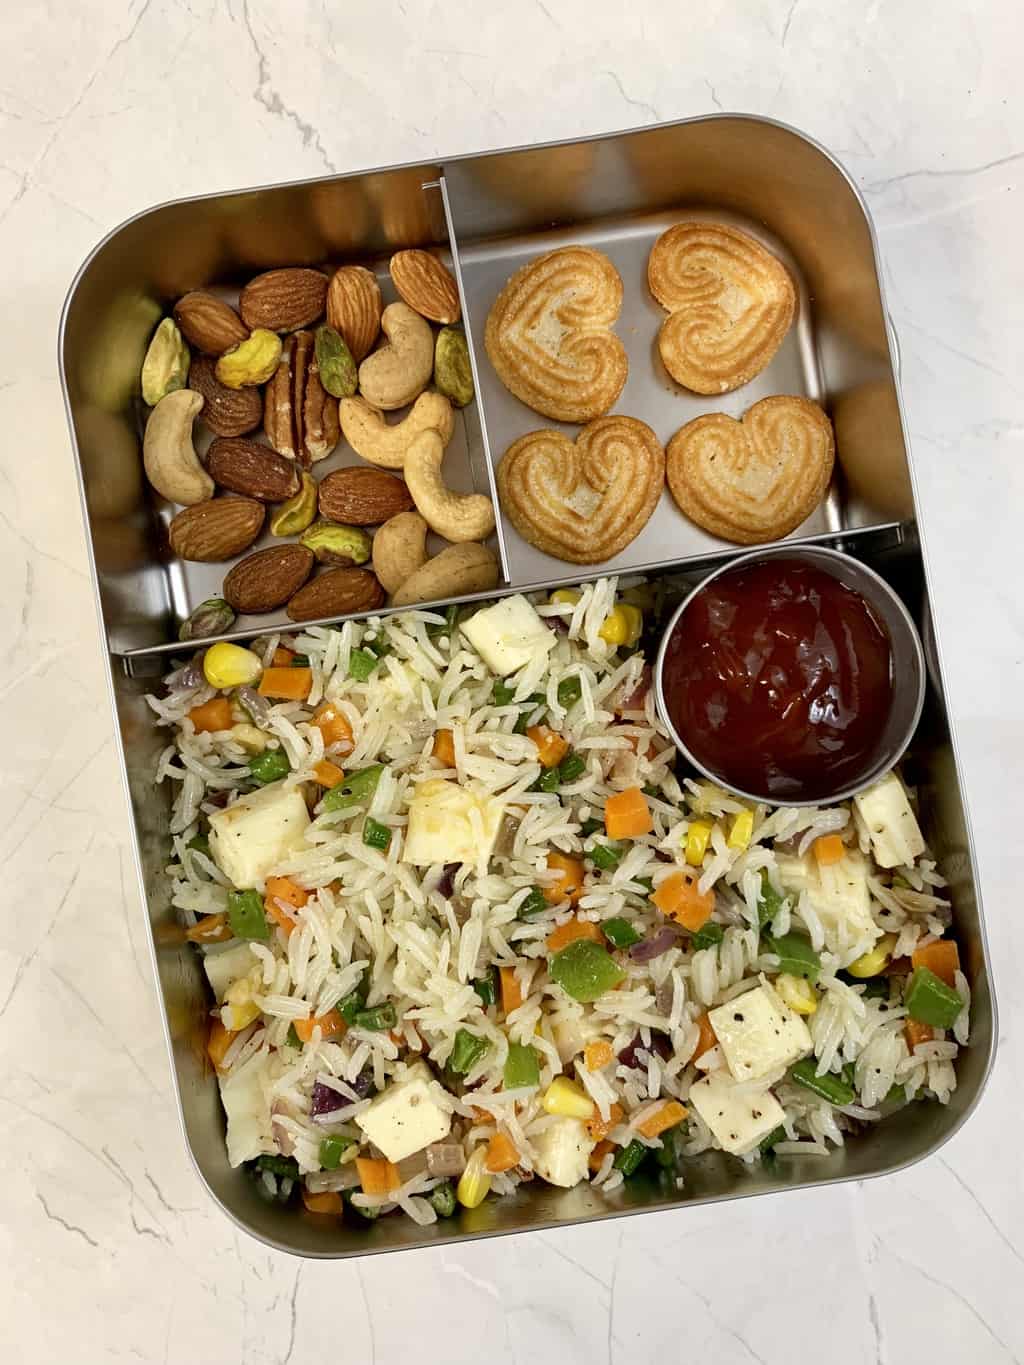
(111,1248)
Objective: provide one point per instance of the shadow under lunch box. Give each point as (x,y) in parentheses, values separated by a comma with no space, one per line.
(487,215)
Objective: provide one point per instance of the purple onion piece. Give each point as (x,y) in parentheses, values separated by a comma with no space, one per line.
(445,1158)
(363,1084)
(651,948)
(257,706)
(446,885)
(660,1045)
(636,697)
(324,1100)
(188,678)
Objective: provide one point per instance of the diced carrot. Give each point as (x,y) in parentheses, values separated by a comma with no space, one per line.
(213,715)
(444,748)
(511,991)
(916,1033)
(328,1202)
(829,849)
(377,1176)
(940,957)
(282,657)
(599,1128)
(627,815)
(211,929)
(218,1043)
(707,1038)
(570,931)
(501,1154)
(328,774)
(280,917)
(481,1115)
(598,1155)
(670,1113)
(284,889)
(287,684)
(597,1055)
(333,725)
(551,747)
(678,898)
(331,1026)
(569,885)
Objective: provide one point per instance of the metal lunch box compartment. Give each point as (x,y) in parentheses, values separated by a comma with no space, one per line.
(490,213)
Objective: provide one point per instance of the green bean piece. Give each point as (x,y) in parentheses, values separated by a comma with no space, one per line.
(572,766)
(376,835)
(796,956)
(292,1038)
(829,1087)
(569,692)
(200,844)
(708,935)
(651,789)
(502,693)
(534,903)
(646,882)
(369,1213)
(620,933)
(605,856)
(355,790)
(377,1018)
(776,1135)
(350,1005)
(629,1158)
(332,1149)
(246,915)
(930,1001)
(442,1199)
(585,970)
(486,987)
(269,766)
(284,1166)
(548,781)
(361,663)
(522,1066)
(591,826)
(467,1051)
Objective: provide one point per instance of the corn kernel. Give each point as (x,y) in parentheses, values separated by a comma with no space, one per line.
(876,960)
(565,597)
(622,626)
(227,665)
(565,1097)
(237,1017)
(474,1183)
(741,830)
(696,845)
(797,992)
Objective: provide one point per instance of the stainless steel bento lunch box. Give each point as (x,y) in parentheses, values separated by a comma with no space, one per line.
(488,214)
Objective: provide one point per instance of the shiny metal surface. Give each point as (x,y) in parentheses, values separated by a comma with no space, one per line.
(760,170)
(908,663)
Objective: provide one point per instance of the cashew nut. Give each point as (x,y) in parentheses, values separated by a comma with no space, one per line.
(455,572)
(399,549)
(171,463)
(394,375)
(369,435)
(456,516)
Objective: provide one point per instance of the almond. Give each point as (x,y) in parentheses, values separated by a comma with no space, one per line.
(338,592)
(252,469)
(284,300)
(208,323)
(227,412)
(267,579)
(363,497)
(426,285)
(354,306)
(214,531)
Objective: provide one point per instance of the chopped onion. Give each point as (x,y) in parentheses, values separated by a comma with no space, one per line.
(445,1158)
(412,1165)
(257,706)
(651,948)
(285,1141)
(346,1177)
(190,677)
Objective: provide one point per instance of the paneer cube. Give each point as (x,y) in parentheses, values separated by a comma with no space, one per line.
(738,1118)
(896,838)
(405,1117)
(758,1034)
(563,1150)
(225,968)
(839,893)
(451,824)
(248,1112)
(508,634)
(249,839)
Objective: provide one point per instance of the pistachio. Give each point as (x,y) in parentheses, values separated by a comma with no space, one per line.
(334,359)
(296,514)
(165,367)
(453,373)
(251,362)
(212,617)
(335,544)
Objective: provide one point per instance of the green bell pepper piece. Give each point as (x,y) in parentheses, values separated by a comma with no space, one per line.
(585,970)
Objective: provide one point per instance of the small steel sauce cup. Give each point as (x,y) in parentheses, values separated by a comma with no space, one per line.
(908,667)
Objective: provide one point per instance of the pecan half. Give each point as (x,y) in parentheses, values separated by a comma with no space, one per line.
(300,417)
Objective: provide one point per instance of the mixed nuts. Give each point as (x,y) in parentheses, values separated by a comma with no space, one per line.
(303,357)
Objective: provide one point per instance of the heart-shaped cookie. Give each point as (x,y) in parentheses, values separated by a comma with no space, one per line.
(756,479)
(549,339)
(730,303)
(583,502)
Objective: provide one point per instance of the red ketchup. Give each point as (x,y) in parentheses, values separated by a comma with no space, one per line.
(778,679)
